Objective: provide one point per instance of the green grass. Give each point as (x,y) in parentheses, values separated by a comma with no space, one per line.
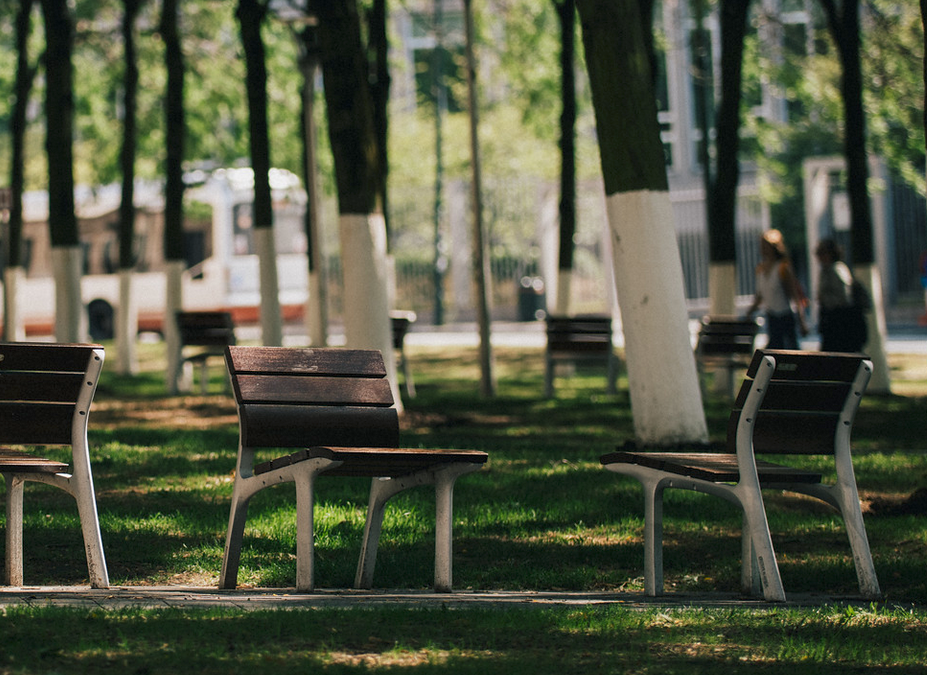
(542,515)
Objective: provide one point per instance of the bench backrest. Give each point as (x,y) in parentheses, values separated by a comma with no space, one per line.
(46,390)
(206,329)
(298,398)
(579,333)
(400,323)
(726,336)
(810,400)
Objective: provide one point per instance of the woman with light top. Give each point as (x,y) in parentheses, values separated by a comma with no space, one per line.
(779,293)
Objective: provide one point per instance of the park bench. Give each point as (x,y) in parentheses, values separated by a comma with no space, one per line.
(207,333)
(585,339)
(401,322)
(725,344)
(336,406)
(792,403)
(45,396)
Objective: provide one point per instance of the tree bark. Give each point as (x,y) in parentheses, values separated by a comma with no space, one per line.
(666,399)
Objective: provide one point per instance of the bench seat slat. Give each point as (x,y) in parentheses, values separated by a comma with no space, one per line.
(375,462)
(12,461)
(715,467)
(274,360)
(320,390)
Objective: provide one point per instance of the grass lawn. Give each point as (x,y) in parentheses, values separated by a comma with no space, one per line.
(542,515)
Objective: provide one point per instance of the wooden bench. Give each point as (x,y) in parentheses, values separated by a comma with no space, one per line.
(725,344)
(572,339)
(45,396)
(208,333)
(401,322)
(335,405)
(793,403)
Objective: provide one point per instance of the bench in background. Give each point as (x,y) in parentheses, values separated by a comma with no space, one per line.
(45,396)
(208,333)
(336,406)
(401,322)
(725,344)
(793,403)
(579,339)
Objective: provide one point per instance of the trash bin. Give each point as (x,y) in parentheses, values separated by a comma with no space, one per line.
(531,300)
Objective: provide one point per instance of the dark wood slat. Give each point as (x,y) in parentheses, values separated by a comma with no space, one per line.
(792,433)
(206,329)
(374,461)
(715,467)
(313,390)
(13,461)
(34,386)
(295,426)
(800,396)
(45,357)
(36,423)
(288,361)
(798,365)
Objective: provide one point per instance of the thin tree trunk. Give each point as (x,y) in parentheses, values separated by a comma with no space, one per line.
(175,137)
(666,400)
(481,268)
(251,14)
(566,13)
(13,327)
(722,218)
(62,221)
(127,313)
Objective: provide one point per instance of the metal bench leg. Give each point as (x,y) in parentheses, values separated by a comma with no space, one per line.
(14,530)
(763,556)
(381,490)
(653,537)
(548,377)
(305,530)
(228,577)
(407,375)
(859,542)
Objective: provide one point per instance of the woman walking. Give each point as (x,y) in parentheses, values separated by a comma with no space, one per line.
(779,293)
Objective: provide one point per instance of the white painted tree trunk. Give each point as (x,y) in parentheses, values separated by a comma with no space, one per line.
(722,287)
(126,325)
(666,400)
(173,304)
(70,317)
(316,318)
(564,291)
(366,288)
(14,329)
(271,317)
(868,276)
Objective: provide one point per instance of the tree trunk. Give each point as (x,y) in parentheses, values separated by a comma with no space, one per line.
(481,268)
(844,27)
(361,227)
(175,135)
(666,400)
(251,14)
(127,313)
(13,327)
(566,13)
(70,318)
(379,90)
(316,318)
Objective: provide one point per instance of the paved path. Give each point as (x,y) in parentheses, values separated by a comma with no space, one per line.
(195,597)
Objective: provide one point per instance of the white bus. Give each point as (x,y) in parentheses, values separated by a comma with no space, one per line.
(222,267)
